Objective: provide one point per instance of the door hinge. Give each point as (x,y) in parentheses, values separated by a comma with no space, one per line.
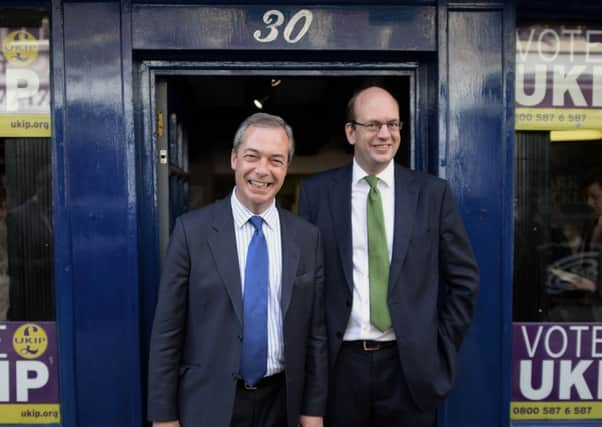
(160,124)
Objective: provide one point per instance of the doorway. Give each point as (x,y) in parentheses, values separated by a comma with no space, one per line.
(197,117)
(189,113)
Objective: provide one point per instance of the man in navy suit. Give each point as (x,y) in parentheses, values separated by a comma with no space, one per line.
(239,335)
(401,278)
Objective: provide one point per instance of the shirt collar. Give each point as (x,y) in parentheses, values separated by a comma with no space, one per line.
(242,214)
(387,175)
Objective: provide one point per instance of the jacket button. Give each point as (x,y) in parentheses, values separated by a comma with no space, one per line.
(240,338)
(339,335)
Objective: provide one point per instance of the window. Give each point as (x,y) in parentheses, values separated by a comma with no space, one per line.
(28,353)
(558,173)
(557,310)
(26,278)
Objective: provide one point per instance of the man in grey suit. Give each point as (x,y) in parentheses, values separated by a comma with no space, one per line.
(239,334)
(401,278)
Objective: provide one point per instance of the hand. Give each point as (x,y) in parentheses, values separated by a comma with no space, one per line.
(166,423)
(309,421)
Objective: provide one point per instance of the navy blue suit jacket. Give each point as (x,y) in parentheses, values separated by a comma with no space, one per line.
(433,280)
(197,331)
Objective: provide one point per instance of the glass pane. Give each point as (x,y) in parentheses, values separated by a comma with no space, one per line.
(558,232)
(29,229)
(26,279)
(28,350)
(556,356)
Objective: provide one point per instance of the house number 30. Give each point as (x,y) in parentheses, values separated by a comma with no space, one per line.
(273,20)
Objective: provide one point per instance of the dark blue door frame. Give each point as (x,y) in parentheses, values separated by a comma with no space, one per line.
(149,71)
(106,262)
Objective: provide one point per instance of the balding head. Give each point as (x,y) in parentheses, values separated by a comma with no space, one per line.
(364,95)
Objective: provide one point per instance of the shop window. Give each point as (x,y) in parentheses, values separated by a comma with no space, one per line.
(28,353)
(557,286)
(558,173)
(558,233)
(26,279)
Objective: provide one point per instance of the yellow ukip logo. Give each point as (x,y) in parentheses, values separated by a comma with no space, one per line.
(20,48)
(30,341)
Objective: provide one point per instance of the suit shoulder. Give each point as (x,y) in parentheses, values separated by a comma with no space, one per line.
(424,180)
(195,215)
(321,178)
(203,215)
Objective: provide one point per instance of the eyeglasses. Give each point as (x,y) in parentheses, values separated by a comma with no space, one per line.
(392,126)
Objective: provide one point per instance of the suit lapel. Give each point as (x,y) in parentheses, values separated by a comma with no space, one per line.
(406,197)
(223,247)
(290,259)
(340,210)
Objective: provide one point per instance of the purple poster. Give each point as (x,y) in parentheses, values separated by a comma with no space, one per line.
(558,76)
(28,373)
(556,371)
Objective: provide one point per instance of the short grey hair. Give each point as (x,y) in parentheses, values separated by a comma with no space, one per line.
(265,120)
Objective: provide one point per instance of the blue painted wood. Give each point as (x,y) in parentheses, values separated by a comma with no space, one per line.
(99,205)
(62,229)
(150,262)
(507,229)
(95,203)
(293,2)
(473,159)
(409,28)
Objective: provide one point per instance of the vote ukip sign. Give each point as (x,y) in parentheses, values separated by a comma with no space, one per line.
(556,371)
(558,77)
(28,373)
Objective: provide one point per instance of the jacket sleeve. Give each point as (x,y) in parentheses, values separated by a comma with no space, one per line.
(459,271)
(168,330)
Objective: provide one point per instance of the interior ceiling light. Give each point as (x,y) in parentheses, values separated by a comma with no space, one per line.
(576,135)
(260,102)
(275,82)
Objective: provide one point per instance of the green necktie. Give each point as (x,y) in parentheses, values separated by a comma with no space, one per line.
(378,258)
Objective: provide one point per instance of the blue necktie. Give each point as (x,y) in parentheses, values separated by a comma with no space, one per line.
(254,356)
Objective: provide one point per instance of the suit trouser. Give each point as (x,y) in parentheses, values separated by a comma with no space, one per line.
(263,407)
(370,390)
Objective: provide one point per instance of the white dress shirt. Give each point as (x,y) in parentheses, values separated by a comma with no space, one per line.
(359,326)
(244,230)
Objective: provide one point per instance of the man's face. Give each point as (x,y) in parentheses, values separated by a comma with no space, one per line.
(374,149)
(260,164)
(593,198)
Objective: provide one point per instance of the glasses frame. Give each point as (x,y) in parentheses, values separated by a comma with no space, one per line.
(368,126)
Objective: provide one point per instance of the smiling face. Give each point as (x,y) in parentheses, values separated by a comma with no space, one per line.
(374,149)
(260,163)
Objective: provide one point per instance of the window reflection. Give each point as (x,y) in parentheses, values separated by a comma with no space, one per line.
(26,258)
(26,272)
(558,233)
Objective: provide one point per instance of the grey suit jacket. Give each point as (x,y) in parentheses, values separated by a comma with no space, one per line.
(197,332)
(433,279)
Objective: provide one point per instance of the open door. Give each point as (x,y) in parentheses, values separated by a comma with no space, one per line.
(172,163)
